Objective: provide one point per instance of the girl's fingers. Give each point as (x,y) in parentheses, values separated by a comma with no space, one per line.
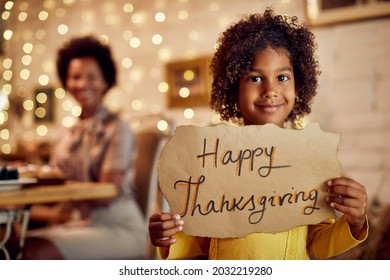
(348,197)
(347,188)
(162,226)
(157,217)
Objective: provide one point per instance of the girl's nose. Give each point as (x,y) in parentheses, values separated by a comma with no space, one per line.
(269,90)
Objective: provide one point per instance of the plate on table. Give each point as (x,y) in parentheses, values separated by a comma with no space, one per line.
(9,185)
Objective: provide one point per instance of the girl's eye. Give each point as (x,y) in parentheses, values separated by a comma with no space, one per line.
(254,79)
(283,78)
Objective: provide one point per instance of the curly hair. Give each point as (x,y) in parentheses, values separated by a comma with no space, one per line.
(239,44)
(88,46)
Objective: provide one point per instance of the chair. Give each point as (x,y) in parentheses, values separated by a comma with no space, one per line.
(149,147)
(150,142)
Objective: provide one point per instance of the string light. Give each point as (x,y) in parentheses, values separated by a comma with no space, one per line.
(59,20)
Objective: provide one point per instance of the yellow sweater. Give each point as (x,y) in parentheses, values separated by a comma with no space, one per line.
(321,241)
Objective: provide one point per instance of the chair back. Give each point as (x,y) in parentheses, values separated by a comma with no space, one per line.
(145,178)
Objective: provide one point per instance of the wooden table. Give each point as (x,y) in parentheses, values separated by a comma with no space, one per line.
(15,202)
(56,193)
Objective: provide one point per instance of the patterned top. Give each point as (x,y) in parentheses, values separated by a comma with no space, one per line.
(102,143)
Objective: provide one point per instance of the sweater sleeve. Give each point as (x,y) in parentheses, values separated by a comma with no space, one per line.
(331,238)
(186,247)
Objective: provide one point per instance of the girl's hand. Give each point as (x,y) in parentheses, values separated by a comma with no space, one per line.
(350,198)
(162,226)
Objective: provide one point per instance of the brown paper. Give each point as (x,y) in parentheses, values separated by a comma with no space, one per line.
(228,181)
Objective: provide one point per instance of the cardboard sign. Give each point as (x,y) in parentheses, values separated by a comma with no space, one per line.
(228,181)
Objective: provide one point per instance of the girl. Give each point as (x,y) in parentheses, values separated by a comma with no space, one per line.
(264,71)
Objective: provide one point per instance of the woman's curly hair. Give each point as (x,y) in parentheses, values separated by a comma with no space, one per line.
(88,46)
(239,44)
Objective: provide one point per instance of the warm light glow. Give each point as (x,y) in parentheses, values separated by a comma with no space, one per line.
(135,123)
(67,105)
(136,74)
(40,49)
(62,29)
(60,12)
(23,6)
(188,75)
(6,148)
(127,35)
(48,66)
(49,4)
(159,17)
(76,111)
(41,97)
(184,92)
(137,18)
(182,15)
(88,16)
(104,39)
(27,48)
(128,8)
(25,74)
(3,117)
(8,5)
(22,16)
(110,20)
(22,91)
(136,105)
(40,34)
(67,121)
(28,105)
(40,112)
(162,125)
(43,15)
(164,54)
(163,87)
(42,130)
(59,93)
(26,59)
(43,80)
(7,88)
(7,75)
(68,2)
(157,39)
(7,35)
(7,63)
(4,102)
(127,62)
(4,134)
(135,42)
(188,113)
(5,15)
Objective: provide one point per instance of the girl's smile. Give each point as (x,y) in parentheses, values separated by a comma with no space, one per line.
(268,108)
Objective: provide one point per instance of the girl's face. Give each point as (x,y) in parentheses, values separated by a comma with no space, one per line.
(267,93)
(85,81)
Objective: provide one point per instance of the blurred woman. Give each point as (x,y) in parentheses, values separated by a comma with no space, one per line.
(99,148)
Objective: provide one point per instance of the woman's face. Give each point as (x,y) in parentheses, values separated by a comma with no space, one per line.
(267,93)
(85,81)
